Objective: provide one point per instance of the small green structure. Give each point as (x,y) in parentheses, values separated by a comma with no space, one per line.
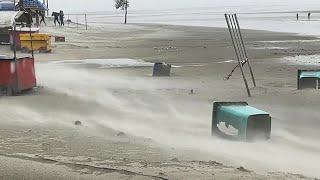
(250,122)
(308,79)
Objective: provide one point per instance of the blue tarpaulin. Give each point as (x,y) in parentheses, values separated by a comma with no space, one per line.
(34,4)
(6,6)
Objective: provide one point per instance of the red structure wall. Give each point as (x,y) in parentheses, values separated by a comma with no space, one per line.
(19,75)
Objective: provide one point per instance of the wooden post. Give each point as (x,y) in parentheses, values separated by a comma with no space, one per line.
(85,18)
(14,41)
(48,8)
(31,41)
(298,79)
(15,59)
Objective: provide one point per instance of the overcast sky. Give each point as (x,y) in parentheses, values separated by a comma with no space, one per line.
(108,5)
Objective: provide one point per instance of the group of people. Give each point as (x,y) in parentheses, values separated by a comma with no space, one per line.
(309,16)
(58,18)
(37,15)
(41,17)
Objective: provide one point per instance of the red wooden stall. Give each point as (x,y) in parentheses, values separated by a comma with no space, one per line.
(17,76)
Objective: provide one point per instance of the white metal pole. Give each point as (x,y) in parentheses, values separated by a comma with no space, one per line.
(48,8)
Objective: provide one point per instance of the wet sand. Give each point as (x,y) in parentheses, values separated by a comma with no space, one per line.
(166,131)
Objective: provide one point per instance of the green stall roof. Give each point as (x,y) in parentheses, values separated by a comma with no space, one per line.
(310,74)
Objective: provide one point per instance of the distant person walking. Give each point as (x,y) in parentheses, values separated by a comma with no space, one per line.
(37,18)
(43,19)
(297,16)
(56,18)
(61,16)
(309,15)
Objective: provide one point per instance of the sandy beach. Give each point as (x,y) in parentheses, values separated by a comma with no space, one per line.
(135,126)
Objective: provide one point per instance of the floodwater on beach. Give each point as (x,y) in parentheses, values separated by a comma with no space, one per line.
(277,16)
(277,22)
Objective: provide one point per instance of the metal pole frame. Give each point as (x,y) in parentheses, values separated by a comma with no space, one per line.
(31,42)
(236,38)
(245,52)
(48,8)
(237,49)
(241,47)
(15,89)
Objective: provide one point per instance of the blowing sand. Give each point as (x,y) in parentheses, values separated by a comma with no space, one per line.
(138,127)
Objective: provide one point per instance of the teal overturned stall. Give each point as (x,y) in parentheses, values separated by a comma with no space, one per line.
(308,79)
(251,123)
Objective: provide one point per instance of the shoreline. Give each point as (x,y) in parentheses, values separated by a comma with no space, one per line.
(313,36)
(152,32)
(260,41)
